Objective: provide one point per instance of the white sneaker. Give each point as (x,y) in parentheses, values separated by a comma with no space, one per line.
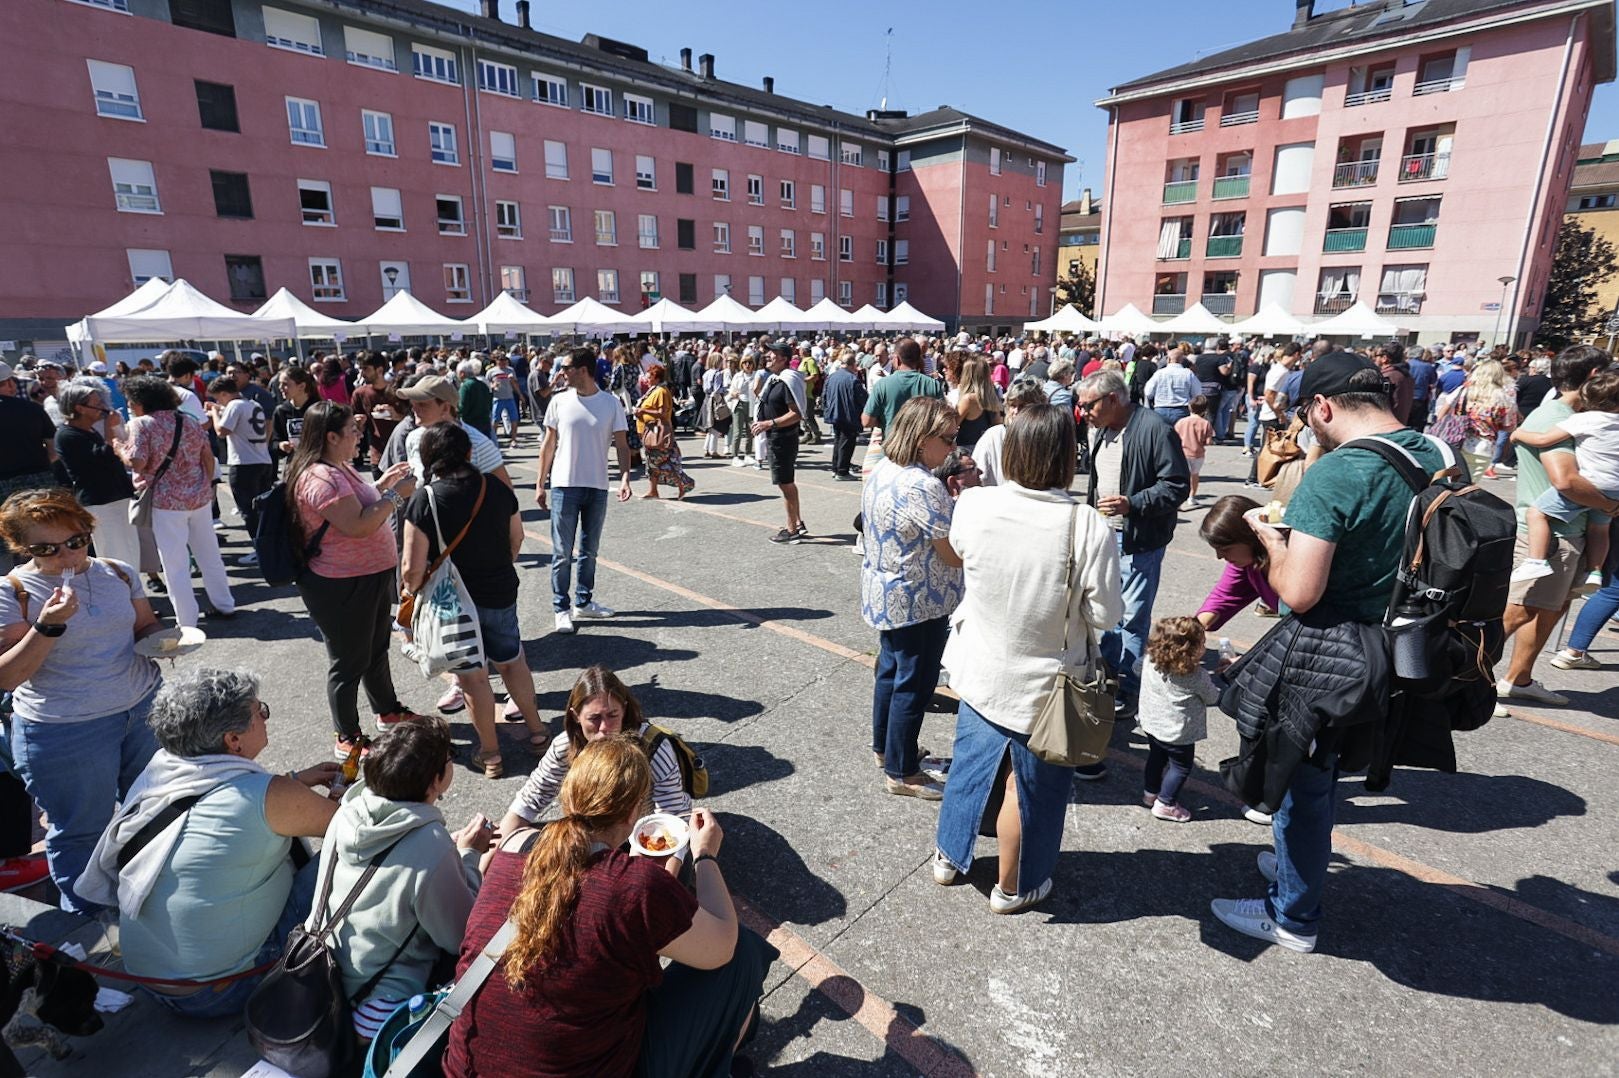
(219,525)
(1267,865)
(738,462)
(593,609)
(1253,815)
(1531,569)
(1250,917)
(564,622)
(1001,902)
(1568,659)
(944,873)
(1534,691)
(250,558)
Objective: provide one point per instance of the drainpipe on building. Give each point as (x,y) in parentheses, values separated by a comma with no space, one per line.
(1540,180)
(892,227)
(480,189)
(1107,216)
(961,227)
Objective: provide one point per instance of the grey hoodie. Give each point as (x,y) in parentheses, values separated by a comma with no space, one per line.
(424,880)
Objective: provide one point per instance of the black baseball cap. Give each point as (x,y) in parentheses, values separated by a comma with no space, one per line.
(1330,375)
(783,349)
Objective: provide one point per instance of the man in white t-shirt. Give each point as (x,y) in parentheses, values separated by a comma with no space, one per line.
(433,400)
(581,424)
(1273,409)
(245,428)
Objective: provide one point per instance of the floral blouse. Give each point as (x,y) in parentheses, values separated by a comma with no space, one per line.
(185,485)
(903,581)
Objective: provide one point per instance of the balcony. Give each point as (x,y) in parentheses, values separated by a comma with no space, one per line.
(1355,173)
(1180,191)
(1186,127)
(1183,251)
(1367,97)
(1231,187)
(1411,237)
(1333,304)
(1339,240)
(1237,119)
(1437,86)
(1226,247)
(1168,304)
(1221,303)
(1399,303)
(1424,166)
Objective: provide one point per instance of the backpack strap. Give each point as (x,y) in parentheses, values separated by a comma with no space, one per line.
(656,736)
(114,567)
(327,924)
(1410,469)
(433,1028)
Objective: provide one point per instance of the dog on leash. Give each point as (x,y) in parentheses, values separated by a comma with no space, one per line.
(41,999)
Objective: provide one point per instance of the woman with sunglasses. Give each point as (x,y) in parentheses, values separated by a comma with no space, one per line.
(68,627)
(98,477)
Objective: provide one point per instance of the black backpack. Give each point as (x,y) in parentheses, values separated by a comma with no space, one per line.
(279,558)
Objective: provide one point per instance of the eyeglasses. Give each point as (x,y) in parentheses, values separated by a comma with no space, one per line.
(264,711)
(49,550)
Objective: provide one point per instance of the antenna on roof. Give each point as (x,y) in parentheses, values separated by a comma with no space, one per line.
(888,63)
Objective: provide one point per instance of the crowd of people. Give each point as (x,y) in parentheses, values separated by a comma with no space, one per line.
(1018,500)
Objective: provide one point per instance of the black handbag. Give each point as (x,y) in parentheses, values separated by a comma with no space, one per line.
(299,1018)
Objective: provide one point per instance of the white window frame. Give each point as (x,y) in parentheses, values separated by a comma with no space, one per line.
(292,31)
(902,208)
(120,6)
(994,161)
(514,279)
(326,280)
(372,123)
(901,293)
(845,293)
(607,290)
(401,282)
(441,149)
(556,164)
(845,248)
(304,106)
(994,210)
(789,289)
(787,141)
(434,65)
(789,243)
(817,290)
(113,87)
(640,110)
(398,207)
(817,246)
(460,220)
(136,191)
(989,298)
(720,184)
(562,285)
(596,100)
(457,283)
(596,169)
(549,89)
(646,238)
(756,291)
(722,238)
(646,179)
(756,190)
(605,227)
(819,148)
(755,133)
(328,219)
(882,295)
(367,48)
(884,159)
(560,223)
(145,258)
(508,219)
(902,252)
(756,240)
(722,127)
(722,285)
(989,257)
(1034,261)
(851,154)
(902,163)
(1039,173)
(817,198)
(1040,220)
(498,161)
(650,277)
(845,202)
(789,195)
(882,252)
(882,207)
(498,78)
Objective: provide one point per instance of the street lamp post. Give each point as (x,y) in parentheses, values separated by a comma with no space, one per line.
(1506,282)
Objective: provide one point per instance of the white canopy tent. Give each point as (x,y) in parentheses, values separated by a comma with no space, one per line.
(727,314)
(826,314)
(867,317)
(1129,319)
(590,315)
(406,316)
(780,314)
(1067,320)
(1195,319)
(667,316)
(1272,320)
(311,324)
(911,318)
(182,313)
(507,314)
(1358,321)
(138,300)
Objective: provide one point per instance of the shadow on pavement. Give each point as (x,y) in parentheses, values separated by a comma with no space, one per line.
(767,864)
(736,767)
(834,1000)
(1462,803)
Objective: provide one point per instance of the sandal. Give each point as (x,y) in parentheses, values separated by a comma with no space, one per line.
(491,764)
(539,741)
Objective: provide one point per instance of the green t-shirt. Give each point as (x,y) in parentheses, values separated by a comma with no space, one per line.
(1355,499)
(894,390)
(1532,480)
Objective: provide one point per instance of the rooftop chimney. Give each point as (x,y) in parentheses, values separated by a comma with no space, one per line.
(685,59)
(1086,206)
(770,85)
(705,65)
(1305,12)
(522,14)
(491,9)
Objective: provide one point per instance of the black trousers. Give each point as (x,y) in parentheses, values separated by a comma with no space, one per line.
(353,614)
(844,440)
(16,817)
(248,481)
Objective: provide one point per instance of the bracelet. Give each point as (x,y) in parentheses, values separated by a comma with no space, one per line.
(51,631)
(700,858)
(393,497)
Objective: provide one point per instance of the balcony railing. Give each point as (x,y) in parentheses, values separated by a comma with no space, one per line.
(1399,302)
(1344,239)
(1355,173)
(1424,166)
(1409,237)
(1231,187)
(1223,303)
(1186,127)
(1168,304)
(1183,249)
(1237,119)
(1225,246)
(1333,304)
(1367,97)
(1180,191)
(1436,86)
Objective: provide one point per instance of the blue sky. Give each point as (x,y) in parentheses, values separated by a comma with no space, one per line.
(1034,65)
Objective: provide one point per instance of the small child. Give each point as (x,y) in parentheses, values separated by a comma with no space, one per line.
(1195,432)
(1595,430)
(1175,691)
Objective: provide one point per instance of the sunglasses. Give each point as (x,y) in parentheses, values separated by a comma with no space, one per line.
(49,550)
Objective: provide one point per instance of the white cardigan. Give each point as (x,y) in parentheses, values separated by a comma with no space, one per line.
(1006,637)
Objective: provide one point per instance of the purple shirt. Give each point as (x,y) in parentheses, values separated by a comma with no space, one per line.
(1235,590)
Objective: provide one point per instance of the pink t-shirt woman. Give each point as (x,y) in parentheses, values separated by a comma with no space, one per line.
(342,555)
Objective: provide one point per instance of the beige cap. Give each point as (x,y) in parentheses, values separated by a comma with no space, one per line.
(431,388)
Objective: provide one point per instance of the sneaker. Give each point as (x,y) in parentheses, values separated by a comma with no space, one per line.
(944,873)
(394,718)
(452,701)
(1149,800)
(1531,569)
(1247,452)
(1173,813)
(219,525)
(1534,691)
(1592,582)
(218,615)
(564,622)
(1253,815)
(1490,473)
(250,558)
(344,746)
(738,462)
(784,536)
(802,531)
(1267,865)
(1001,902)
(1263,611)
(1091,772)
(17,873)
(1569,659)
(925,791)
(593,609)
(1504,469)
(1250,917)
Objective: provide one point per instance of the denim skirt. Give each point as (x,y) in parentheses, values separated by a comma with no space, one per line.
(1043,790)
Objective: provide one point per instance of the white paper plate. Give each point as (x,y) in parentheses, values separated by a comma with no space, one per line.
(171,643)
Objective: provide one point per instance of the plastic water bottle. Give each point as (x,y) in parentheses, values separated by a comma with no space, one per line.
(418,1007)
(1228,653)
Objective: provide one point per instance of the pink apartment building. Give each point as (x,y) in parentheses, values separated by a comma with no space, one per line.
(346,149)
(1410,154)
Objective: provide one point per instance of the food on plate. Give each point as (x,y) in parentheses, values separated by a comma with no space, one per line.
(1273,513)
(169,643)
(658,840)
(659,835)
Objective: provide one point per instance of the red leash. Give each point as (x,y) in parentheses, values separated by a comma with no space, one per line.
(50,953)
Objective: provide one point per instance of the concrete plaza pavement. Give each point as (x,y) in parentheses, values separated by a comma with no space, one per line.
(1472,921)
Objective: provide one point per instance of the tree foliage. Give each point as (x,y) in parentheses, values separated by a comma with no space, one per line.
(1077,287)
(1583,262)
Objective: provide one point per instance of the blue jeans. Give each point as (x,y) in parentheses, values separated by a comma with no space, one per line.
(1124,646)
(1250,436)
(506,408)
(1173,413)
(581,511)
(907,673)
(227,1000)
(1227,416)
(78,772)
(1598,608)
(1302,828)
